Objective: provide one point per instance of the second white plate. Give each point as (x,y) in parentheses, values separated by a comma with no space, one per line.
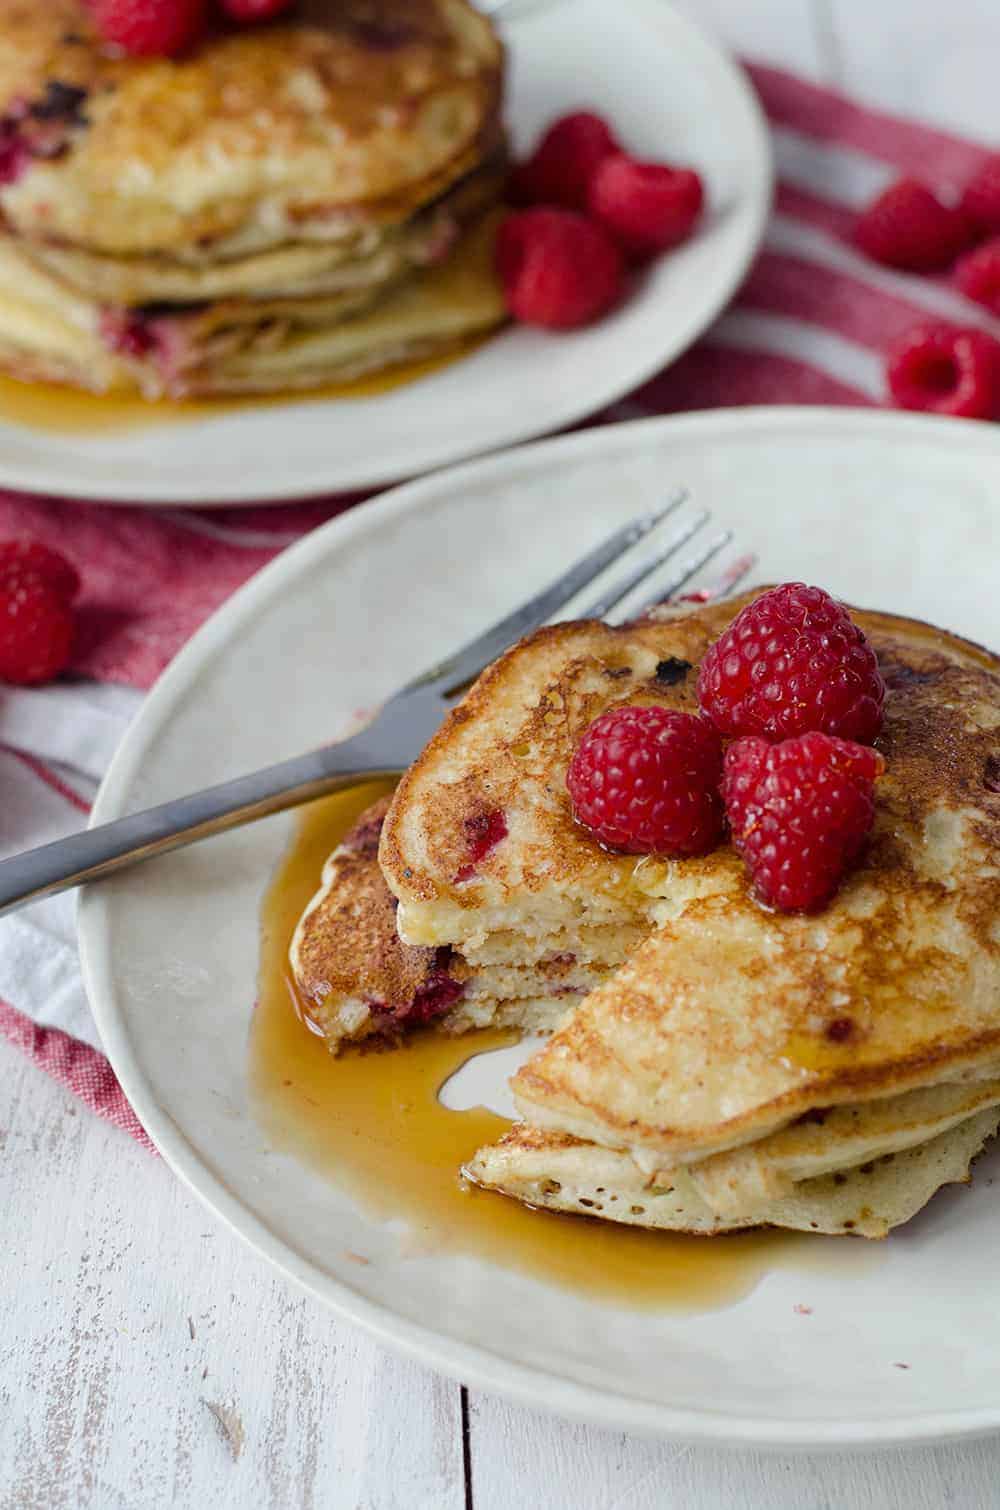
(886,510)
(670,93)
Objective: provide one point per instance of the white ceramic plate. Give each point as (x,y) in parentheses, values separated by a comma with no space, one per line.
(884,509)
(670,93)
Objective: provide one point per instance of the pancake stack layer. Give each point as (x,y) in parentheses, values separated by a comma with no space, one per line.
(286,206)
(714,1065)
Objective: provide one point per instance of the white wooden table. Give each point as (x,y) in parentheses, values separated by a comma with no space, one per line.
(148,1359)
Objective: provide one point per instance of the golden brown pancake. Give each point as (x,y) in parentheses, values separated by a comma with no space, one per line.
(257,137)
(356,979)
(282,207)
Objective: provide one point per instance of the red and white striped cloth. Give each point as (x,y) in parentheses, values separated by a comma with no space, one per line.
(809,326)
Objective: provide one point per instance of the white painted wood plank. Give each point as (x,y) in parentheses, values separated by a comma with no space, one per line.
(784,33)
(935,62)
(522,1458)
(148,1359)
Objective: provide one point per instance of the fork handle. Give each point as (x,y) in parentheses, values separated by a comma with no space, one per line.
(100,851)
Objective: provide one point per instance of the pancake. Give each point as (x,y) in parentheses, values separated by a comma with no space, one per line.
(357,980)
(556,1172)
(504,752)
(363,256)
(737,1067)
(257,138)
(280,208)
(728,1023)
(48,332)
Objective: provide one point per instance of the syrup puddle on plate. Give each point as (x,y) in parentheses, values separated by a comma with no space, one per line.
(70,411)
(373,1123)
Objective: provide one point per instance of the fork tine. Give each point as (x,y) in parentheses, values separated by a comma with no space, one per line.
(457,669)
(688,569)
(603,605)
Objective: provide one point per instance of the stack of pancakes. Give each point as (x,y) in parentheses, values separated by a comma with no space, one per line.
(283,207)
(714,1065)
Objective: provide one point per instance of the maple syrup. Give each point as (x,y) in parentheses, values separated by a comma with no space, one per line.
(71,411)
(373,1123)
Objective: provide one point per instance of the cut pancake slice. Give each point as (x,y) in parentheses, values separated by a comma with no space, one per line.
(556,1172)
(356,979)
(498,765)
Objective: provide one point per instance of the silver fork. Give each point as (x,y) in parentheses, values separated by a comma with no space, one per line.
(384,747)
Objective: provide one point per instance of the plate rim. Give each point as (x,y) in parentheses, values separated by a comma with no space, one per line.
(475,1364)
(317,484)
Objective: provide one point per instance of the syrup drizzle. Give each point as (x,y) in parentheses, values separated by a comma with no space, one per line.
(70,411)
(373,1124)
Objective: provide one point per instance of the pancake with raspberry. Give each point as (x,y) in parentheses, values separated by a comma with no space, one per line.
(357,980)
(275,208)
(481,839)
(731,1021)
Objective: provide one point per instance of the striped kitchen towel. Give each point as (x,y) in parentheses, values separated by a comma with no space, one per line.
(809,325)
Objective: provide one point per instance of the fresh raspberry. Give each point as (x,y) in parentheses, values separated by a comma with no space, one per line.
(248,11)
(978,275)
(558,269)
(151,27)
(946,370)
(647,207)
(800,813)
(907,226)
(23,559)
(561,167)
(36,630)
(646,780)
(980,201)
(793,661)
(15,157)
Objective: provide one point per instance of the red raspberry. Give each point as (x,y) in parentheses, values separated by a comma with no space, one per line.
(248,11)
(980,200)
(21,559)
(15,158)
(646,780)
(800,813)
(647,207)
(946,370)
(907,226)
(36,630)
(557,268)
(144,27)
(793,661)
(561,167)
(978,275)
